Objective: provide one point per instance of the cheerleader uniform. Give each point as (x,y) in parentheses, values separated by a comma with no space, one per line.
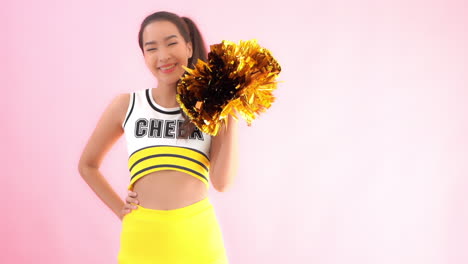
(189,235)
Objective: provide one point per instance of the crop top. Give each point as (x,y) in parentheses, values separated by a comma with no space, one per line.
(152,133)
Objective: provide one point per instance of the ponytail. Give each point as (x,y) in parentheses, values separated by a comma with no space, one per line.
(198,44)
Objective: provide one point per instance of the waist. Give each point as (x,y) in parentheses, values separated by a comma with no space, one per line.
(168,190)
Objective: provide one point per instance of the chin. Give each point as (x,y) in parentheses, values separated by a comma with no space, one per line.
(167,81)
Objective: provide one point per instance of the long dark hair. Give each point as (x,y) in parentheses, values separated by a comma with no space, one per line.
(189,31)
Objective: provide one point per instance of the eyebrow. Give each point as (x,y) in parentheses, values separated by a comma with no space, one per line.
(165,39)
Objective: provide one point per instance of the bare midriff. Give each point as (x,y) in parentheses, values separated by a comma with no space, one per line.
(168,189)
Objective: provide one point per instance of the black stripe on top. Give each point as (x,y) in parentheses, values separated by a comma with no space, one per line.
(169,166)
(196,150)
(131,109)
(156,108)
(168,155)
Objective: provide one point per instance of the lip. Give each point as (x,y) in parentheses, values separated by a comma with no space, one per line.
(167,65)
(168,70)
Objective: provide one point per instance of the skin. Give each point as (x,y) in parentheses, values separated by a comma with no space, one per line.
(167,189)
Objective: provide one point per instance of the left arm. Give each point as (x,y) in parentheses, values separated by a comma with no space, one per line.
(224,156)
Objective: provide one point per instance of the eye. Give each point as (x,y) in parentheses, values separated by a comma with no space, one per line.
(173,43)
(151,49)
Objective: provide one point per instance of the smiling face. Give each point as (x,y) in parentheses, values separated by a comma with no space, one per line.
(165,51)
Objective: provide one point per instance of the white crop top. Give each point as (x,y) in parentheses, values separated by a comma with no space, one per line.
(152,133)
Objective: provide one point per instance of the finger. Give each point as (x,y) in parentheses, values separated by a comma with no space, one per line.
(130,207)
(130,200)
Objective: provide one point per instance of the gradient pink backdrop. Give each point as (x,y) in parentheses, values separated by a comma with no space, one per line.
(362,159)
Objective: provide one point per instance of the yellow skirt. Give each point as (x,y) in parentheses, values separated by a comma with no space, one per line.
(188,235)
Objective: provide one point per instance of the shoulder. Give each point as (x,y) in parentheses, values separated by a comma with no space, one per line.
(121,100)
(118,105)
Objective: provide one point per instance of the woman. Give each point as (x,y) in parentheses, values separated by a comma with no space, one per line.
(171,162)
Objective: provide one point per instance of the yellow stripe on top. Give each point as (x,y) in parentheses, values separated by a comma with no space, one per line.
(162,157)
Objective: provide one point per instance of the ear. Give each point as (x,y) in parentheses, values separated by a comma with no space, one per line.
(190,49)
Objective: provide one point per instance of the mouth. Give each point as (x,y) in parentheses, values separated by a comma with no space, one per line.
(168,68)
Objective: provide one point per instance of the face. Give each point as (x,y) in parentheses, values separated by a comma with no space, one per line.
(165,51)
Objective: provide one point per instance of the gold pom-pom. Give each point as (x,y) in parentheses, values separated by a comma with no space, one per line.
(236,78)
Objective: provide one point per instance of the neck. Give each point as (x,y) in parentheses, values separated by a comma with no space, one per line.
(166,94)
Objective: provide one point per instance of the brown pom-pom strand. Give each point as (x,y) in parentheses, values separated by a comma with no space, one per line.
(236,78)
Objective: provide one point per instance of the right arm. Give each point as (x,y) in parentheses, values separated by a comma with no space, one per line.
(107,131)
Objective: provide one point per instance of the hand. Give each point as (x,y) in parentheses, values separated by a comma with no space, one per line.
(130,202)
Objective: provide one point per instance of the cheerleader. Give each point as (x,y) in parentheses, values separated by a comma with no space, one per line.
(171,162)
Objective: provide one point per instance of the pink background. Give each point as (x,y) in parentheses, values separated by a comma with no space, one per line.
(362,159)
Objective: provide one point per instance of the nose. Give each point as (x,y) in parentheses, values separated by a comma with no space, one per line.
(164,55)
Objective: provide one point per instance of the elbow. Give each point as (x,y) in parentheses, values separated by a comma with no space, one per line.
(222,179)
(84,168)
(81,166)
(87,164)
(221,187)
(81,169)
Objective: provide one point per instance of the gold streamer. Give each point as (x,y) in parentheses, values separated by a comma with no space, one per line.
(236,77)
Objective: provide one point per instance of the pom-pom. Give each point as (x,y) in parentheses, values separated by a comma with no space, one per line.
(236,78)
